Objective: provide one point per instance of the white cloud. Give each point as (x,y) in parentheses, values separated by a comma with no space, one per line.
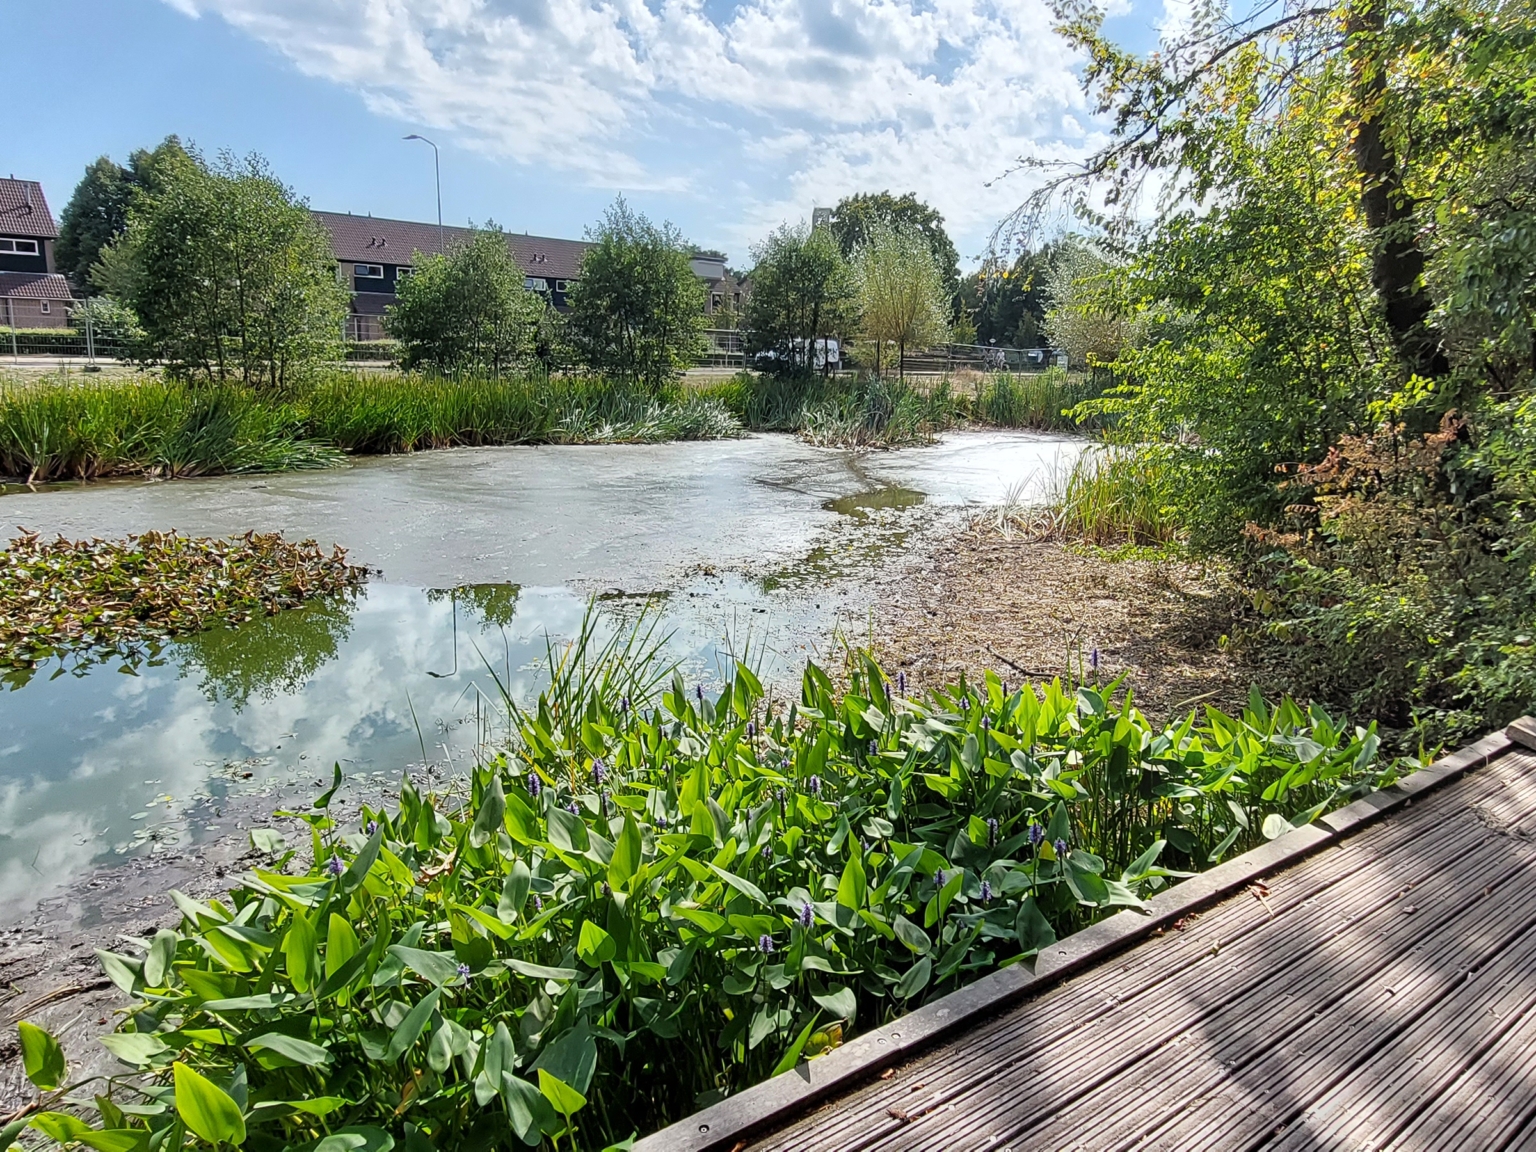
(768,106)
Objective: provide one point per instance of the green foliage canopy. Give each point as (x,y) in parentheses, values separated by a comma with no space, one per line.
(466,309)
(856,218)
(900,291)
(637,311)
(97,212)
(802,291)
(229,274)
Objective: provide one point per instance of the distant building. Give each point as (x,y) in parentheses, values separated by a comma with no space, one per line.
(724,291)
(33,292)
(374,254)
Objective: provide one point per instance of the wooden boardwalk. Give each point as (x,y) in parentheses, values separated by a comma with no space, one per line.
(1380,994)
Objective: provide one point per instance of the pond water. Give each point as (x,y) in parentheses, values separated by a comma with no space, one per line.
(483,555)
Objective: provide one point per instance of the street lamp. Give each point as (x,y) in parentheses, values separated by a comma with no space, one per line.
(438,176)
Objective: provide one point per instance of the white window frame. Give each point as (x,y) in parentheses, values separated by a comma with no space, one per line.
(402,271)
(14,247)
(562,285)
(44,308)
(536,283)
(368,271)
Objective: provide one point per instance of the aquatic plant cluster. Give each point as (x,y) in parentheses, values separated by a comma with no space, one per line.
(871,412)
(52,430)
(74,597)
(661,895)
(169,428)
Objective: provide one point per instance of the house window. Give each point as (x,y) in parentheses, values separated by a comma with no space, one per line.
(20,247)
(736,299)
(44,307)
(535,284)
(401,273)
(562,285)
(368,271)
(715,301)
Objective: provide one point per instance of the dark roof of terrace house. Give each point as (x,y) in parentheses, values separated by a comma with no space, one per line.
(375,240)
(24,211)
(1365,981)
(34,286)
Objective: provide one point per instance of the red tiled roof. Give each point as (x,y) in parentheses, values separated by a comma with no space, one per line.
(24,211)
(34,286)
(375,240)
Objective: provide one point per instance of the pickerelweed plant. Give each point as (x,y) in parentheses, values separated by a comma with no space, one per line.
(658,896)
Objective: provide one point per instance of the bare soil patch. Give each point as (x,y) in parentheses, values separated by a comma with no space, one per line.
(978,601)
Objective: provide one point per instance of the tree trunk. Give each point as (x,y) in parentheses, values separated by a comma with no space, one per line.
(1397,262)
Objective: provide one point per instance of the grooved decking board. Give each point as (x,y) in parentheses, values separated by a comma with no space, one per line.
(1383,994)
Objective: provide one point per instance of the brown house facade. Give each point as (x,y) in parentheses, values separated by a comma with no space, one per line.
(32,292)
(374,254)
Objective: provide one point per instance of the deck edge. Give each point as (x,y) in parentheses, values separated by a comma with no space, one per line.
(750,1112)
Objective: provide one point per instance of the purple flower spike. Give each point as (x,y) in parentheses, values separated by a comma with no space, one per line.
(986,723)
(992,832)
(751,727)
(538,904)
(1036,835)
(814,784)
(534,785)
(623,703)
(765,945)
(1005,688)
(767,851)
(986,892)
(1093,659)
(874,747)
(901,683)
(938,878)
(965,703)
(599,771)
(463,971)
(1061,848)
(373,826)
(699,692)
(334,866)
(607,891)
(807,915)
(661,821)
(784,764)
(573,808)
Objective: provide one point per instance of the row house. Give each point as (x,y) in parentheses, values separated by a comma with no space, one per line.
(374,254)
(32,292)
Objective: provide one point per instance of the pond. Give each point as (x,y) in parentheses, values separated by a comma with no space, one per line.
(482,555)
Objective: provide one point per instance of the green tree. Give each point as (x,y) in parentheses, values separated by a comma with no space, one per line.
(900,291)
(1007,303)
(229,274)
(1080,319)
(856,218)
(97,212)
(466,309)
(802,291)
(638,310)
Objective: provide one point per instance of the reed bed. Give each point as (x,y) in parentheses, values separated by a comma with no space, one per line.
(62,430)
(1110,496)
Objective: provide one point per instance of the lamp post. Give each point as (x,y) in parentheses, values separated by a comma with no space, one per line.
(437,175)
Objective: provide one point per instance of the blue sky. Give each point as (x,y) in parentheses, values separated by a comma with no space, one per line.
(727,118)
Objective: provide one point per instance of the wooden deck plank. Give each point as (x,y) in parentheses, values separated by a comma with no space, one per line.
(1145,1046)
(1490,1103)
(1198,1033)
(1084,999)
